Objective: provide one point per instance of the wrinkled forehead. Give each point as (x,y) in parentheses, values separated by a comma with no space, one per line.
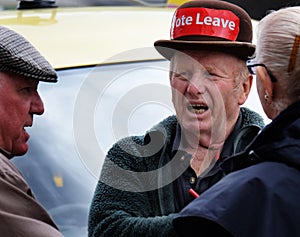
(16,79)
(203,58)
(208,62)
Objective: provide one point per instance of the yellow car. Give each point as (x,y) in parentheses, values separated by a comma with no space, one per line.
(111,83)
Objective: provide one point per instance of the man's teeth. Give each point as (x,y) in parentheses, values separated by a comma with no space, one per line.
(198,109)
(26,126)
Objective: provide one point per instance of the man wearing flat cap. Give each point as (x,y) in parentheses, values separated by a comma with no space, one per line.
(21,69)
(146,180)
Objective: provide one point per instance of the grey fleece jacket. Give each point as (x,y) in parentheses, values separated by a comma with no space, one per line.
(134,195)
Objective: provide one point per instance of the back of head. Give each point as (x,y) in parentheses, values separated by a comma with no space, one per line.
(278,39)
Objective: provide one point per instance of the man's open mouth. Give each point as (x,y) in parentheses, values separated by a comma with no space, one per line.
(198,109)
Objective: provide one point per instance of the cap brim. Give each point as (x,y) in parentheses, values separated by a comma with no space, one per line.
(240,49)
(31,72)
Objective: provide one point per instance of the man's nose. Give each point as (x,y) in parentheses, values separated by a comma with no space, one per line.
(37,105)
(196,86)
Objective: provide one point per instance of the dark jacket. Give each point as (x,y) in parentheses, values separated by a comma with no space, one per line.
(135,193)
(261,196)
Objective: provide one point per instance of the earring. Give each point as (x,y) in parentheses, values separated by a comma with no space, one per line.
(266,98)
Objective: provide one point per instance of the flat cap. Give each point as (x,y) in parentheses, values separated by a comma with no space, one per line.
(18,55)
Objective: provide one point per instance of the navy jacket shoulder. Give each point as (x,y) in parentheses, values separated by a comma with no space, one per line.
(260,197)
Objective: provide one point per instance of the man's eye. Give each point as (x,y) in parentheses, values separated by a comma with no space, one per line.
(211,76)
(27,90)
(184,76)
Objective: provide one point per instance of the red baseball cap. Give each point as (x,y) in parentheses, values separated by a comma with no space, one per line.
(209,25)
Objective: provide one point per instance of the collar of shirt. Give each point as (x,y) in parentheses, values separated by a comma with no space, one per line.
(5,153)
(227,147)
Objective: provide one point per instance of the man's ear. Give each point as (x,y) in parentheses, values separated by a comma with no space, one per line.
(246,87)
(266,80)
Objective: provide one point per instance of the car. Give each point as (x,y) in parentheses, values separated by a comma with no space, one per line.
(111,83)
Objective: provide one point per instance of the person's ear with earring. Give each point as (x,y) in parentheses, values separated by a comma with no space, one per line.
(265,91)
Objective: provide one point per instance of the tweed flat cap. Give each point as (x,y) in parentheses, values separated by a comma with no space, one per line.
(17,55)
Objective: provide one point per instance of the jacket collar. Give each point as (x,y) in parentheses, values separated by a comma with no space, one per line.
(279,141)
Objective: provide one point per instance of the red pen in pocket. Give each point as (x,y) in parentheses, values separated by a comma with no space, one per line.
(193,193)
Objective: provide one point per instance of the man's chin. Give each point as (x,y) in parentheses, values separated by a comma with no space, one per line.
(197,126)
(20,151)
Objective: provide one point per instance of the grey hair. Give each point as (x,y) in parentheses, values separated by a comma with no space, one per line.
(276,34)
(242,75)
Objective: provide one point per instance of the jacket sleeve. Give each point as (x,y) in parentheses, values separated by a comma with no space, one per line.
(120,206)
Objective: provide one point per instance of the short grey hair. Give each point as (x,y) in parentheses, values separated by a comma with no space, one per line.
(276,36)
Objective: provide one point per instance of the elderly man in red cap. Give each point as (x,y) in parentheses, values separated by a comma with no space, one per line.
(21,69)
(146,180)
